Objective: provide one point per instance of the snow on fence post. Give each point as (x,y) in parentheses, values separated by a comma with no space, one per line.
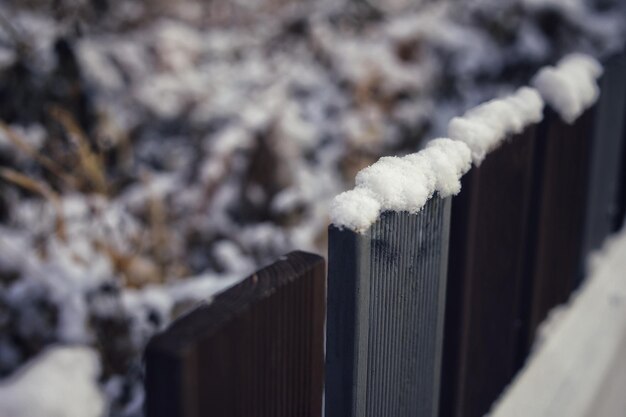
(603,214)
(486,278)
(564,144)
(386,290)
(255,350)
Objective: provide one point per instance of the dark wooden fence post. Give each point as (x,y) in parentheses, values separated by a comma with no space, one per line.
(520,231)
(561,187)
(385,315)
(620,214)
(606,155)
(255,350)
(489,228)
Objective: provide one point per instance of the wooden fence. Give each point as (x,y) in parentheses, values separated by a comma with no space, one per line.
(384,336)
(256,350)
(429,314)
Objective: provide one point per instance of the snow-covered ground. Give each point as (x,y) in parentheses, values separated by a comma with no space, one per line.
(60,382)
(152,154)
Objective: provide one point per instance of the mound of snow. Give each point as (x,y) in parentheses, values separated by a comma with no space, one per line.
(402,184)
(484,127)
(571,87)
(61,382)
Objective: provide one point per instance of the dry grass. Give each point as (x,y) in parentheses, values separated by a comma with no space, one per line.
(148,260)
(20,144)
(90,165)
(40,188)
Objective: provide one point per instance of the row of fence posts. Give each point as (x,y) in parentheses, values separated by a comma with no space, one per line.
(429,314)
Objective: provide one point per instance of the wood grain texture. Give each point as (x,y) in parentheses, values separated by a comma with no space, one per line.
(486,278)
(385,315)
(255,350)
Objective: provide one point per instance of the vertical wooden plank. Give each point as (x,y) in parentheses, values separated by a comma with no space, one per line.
(488,232)
(606,155)
(563,176)
(621,187)
(255,350)
(385,315)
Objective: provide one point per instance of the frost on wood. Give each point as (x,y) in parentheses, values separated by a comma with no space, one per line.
(61,382)
(571,87)
(402,184)
(484,127)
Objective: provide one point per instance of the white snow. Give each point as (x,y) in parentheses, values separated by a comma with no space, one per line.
(406,183)
(355,209)
(571,87)
(402,183)
(484,127)
(450,160)
(60,382)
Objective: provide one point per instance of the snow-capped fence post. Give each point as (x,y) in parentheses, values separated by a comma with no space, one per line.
(255,350)
(486,278)
(386,293)
(609,136)
(563,167)
(561,197)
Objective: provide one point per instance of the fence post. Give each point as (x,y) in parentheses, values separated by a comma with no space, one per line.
(386,295)
(255,350)
(620,214)
(486,280)
(562,180)
(608,147)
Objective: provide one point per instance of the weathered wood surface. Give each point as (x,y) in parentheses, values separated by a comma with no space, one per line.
(386,294)
(486,278)
(255,350)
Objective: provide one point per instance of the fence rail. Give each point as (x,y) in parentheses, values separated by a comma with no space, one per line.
(429,314)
